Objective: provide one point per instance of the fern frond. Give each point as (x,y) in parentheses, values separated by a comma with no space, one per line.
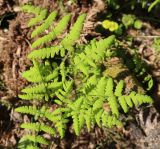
(62,71)
(38,18)
(110,120)
(146,99)
(61,26)
(38,88)
(98,116)
(40,73)
(33,96)
(88,118)
(37,112)
(32,75)
(42,87)
(109,87)
(100,88)
(132,96)
(128,101)
(123,103)
(119,88)
(76,122)
(44,53)
(113,105)
(81,119)
(31,9)
(93,53)
(26,144)
(61,128)
(74,34)
(45,25)
(98,104)
(35,139)
(27,110)
(81,66)
(68,86)
(38,127)
(51,76)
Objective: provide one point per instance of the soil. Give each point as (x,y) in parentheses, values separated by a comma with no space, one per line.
(142,129)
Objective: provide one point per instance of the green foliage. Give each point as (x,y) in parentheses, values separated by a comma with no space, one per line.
(56,31)
(38,127)
(156,44)
(113,4)
(93,53)
(70,85)
(132,4)
(45,25)
(40,14)
(153,4)
(128,20)
(138,24)
(141,71)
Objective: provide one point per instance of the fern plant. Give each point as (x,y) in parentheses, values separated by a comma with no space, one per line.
(67,82)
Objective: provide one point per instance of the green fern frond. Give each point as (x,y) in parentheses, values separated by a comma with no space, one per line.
(44,53)
(81,119)
(51,76)
(100,88)
(123,103)
(98,104)
(40,73)
(61,128)
(109,120)
(74,34)
(68,86)
(33,96)
(37,112)
(88,118)
(42,87)
(26,144)
(145,99)
(128,101)
(93,52)
(134,100)
(63,95)
(38,18)
(27,110)
(98,117)
(32,75)
(38,88)
(113,105)
(63,71)
(38,127)
(76,122)
(35,139)
(45,25)
(109,87)
(119,88)
(58,30)
(31,9)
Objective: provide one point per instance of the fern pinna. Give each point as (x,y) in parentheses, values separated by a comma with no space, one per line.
(67,82)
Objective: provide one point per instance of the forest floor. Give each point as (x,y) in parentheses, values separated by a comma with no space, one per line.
(142,129)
